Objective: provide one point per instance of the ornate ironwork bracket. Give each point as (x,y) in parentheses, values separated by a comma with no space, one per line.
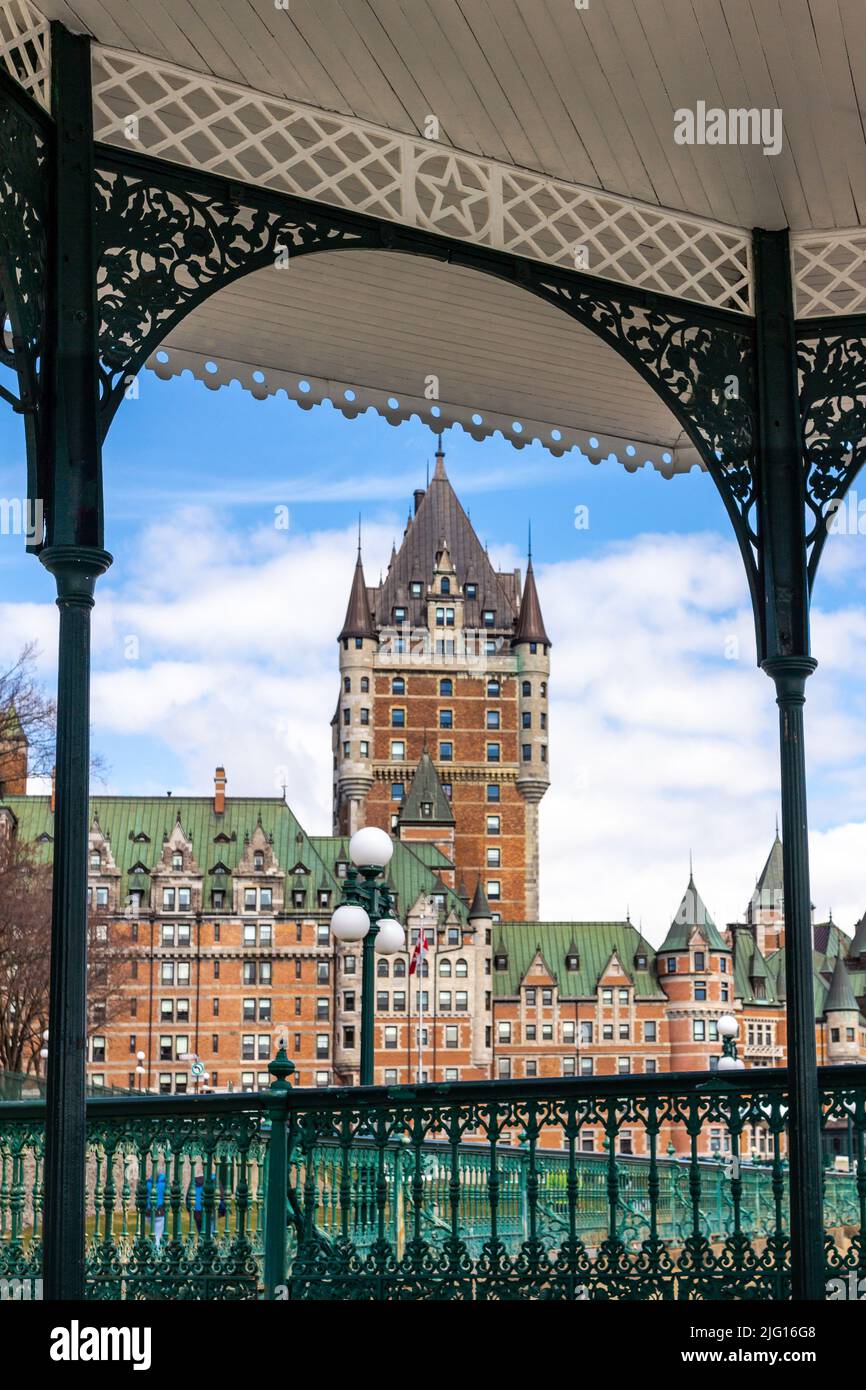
(25,154)
(831,362)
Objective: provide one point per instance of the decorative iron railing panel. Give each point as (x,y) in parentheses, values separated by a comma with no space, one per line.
(615,1188)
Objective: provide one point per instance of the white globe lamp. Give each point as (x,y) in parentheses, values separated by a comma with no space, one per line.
(350,923)
(370,848)
(390,937)
(728,1026)
(730,1064)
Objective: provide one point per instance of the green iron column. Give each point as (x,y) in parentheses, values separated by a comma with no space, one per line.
(370,896)
(73,553)
(789,664)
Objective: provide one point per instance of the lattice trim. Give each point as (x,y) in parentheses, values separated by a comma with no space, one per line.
(353,400)
(25,47)
(219,126)
(829,271)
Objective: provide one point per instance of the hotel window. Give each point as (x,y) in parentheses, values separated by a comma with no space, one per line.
(398,718)
(347,685)
(547,1032)
(248,1047)
(488,617)
(219,898)
(492,825)
(167,934)
(167,972)
(102,897)
(503,1031)
(542,720)
(531,1067)
(493,719)
(165,1083)
(671,965)
(607,996)
(446,719)
(391,1037)
(504,1068)
(527,752)
(651,1064)
(249,1010)
(586,1032)
(623,1066)
(568,1067)
(700,990)
(586,1066)
(446,687)
(399,1001)
(165,1053)
(493,752)
(461,969)
(699,960)
(440,617)
(471,590)
(322,1043)
(723,965)
(699,1030)
(266,899)
(607,1032)
(97,1050)
(398,686)
(398,791)
(95,860)
(398,750)
(568,1031)
(349,965)
(446,790)
(347,749)
(623,996)
(623,1032)
(183,933)
(399,615)
(382,1002)
(461,1000)
(544,752)
(259,859)
(494,856)
(526,719)
(526,688)
(446,752)
(183,1011)
(167,898)
(493,791)
(494,888)
(494,690)
(625,1144)
(249,900)
(649,1032)
(445,1000)
(348,1037)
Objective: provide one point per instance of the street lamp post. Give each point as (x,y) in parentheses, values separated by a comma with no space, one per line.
(728,1030)
(139,1070)
(366,913)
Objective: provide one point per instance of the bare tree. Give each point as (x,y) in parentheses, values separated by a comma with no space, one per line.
(25,958)
(26,709)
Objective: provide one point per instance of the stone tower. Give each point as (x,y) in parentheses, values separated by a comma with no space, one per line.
(447,659)
(13,754)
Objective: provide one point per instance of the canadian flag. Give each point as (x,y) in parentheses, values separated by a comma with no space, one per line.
(418,953)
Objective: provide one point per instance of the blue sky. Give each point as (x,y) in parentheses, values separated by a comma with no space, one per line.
(214,638)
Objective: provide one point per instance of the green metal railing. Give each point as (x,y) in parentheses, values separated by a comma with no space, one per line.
(472,1190)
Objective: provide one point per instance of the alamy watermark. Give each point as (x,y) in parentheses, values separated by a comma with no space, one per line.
(22,516)
(714,125)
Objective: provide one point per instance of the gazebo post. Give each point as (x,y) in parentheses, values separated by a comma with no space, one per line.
(788,662)
(72,478)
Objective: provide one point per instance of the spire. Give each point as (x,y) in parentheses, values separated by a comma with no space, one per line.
(840,996)
(530,624)
(771,879)
(439,474)
(358,622)
(480,906)
(692,913)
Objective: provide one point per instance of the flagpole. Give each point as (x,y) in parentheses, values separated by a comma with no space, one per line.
(421,1006)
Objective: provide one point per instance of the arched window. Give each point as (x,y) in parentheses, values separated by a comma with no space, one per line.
(399,969)
(527,688)
(461,968)
(446,586)
(259,859)
(382,968)
(445,966)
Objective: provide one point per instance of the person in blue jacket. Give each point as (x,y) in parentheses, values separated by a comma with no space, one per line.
(156,1208)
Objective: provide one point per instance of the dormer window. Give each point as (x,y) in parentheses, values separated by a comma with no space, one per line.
(488,617)
(415,589)
(399,615)
(471,590)
(445,586)
(640,961)
(95,859)
(572,961)
(258,859)
(427,809)
(177,859)
(699,960)
(500,961)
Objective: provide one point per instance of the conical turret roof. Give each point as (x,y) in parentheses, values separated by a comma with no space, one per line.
(858,945)
(480,906)
(358,622)
(692,913)
(530,624)
(840,997)
(771,880)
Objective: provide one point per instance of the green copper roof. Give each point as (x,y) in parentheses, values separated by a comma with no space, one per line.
(858,945)
(750,966)
(411,876)
(692,913)
(840,995)
(771,879)
(596,942)
(123,818)
(426,791)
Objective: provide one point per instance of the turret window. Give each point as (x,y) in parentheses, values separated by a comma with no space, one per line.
(347,715)
(544,752)
(527,689)
(365,684)
(533,648)
(365,749)
(493,791)
(572,961)
(526,719)
(347,684)
(700,990)
(259,859)
(527,752)
(398,686)
(177,860)
(347,750)
(700,960)
(544,690)
(365,716)
(446,719)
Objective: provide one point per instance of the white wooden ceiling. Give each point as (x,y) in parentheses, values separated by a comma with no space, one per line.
(583,95)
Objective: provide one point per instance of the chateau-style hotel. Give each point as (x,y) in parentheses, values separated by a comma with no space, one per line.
(218,907)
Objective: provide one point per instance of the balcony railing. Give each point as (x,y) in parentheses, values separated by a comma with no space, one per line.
(474,1190)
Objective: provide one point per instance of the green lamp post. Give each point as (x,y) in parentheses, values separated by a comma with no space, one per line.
(728,1030)
(366,913)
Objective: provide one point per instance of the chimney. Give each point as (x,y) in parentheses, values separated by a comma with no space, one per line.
(53,782)
(419,498)
(219,791)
